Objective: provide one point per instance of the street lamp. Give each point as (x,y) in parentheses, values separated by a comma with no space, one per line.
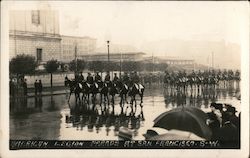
(108,50)
(75,58)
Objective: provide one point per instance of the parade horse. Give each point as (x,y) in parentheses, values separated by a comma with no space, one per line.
(167,81)
(113,91)
(123,92)
(181,83)
(104,90)
(200,82)
(134,90)
(72,84)
(191,81)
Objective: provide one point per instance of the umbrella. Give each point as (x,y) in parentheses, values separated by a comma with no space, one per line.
(189,119)
(176,135)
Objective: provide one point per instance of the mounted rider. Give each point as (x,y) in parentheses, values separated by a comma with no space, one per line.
(90,79)
(81,77)
(116,78)
(237,75)
(125,78)
(135,79)
(107,78)
(192,76)
(98,79)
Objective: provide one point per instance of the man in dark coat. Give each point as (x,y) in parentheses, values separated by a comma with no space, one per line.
(116,78)
(81,77)
(36,86)
(90,79)
(40,87)
(98,78)
(107,77)
(125,78)
(228,133)
(25,88)
(214,121)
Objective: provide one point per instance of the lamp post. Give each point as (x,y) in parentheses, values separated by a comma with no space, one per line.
(212,60)
(108,52)
(120,64)
(75,59)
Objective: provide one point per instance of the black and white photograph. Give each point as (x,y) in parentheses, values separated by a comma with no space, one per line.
(125,75)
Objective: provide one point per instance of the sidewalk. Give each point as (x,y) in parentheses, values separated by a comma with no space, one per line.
(47,91)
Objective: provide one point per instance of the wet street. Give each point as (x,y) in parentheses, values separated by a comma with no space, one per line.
(53,118)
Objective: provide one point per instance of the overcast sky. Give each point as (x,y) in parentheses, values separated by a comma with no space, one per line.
(138,22)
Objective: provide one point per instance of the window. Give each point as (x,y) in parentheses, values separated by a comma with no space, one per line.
(35,17)
(39,54)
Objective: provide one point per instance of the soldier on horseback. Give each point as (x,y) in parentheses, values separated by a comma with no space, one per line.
(135,79)
(98,79)
(90,79)
(116,78)
(125,78)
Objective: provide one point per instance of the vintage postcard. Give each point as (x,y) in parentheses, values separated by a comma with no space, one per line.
(124,79)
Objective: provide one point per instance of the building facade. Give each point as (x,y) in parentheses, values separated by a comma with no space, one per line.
(170,60)
(116,57)
(36,33)
(76,46)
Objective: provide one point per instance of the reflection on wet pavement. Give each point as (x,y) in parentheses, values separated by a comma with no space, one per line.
(52,117)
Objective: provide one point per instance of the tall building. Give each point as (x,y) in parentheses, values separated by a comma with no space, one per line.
(36,32)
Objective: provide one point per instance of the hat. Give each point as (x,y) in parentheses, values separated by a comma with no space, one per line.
(231,109)
(150,133)
(217,106)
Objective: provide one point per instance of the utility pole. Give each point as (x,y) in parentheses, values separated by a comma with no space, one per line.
(212,60)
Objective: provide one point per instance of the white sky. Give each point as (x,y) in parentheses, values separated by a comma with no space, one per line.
(135,22)
(138,22)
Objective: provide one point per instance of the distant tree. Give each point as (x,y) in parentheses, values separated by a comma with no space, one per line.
(22,64)
(51,66)
(161,67)
(132,66)
(148,66)
(77,66)
(96,66)
(112,66)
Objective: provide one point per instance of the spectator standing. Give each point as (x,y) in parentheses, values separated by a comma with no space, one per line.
(40,87)
(25,88)
(36,86)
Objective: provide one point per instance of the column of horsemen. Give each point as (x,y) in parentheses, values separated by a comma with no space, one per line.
(127,85)
(202,79)
(132,84)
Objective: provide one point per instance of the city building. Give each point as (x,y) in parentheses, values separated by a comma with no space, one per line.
(116,57)
(170,60)
(76,46)
(36,33)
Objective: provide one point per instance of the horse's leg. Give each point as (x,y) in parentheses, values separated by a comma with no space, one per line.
(126,98)
(101,99)
(121,95)
(113,99)
(135,101)
(88,97)
(141,95)
(107,96)
(69,96)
